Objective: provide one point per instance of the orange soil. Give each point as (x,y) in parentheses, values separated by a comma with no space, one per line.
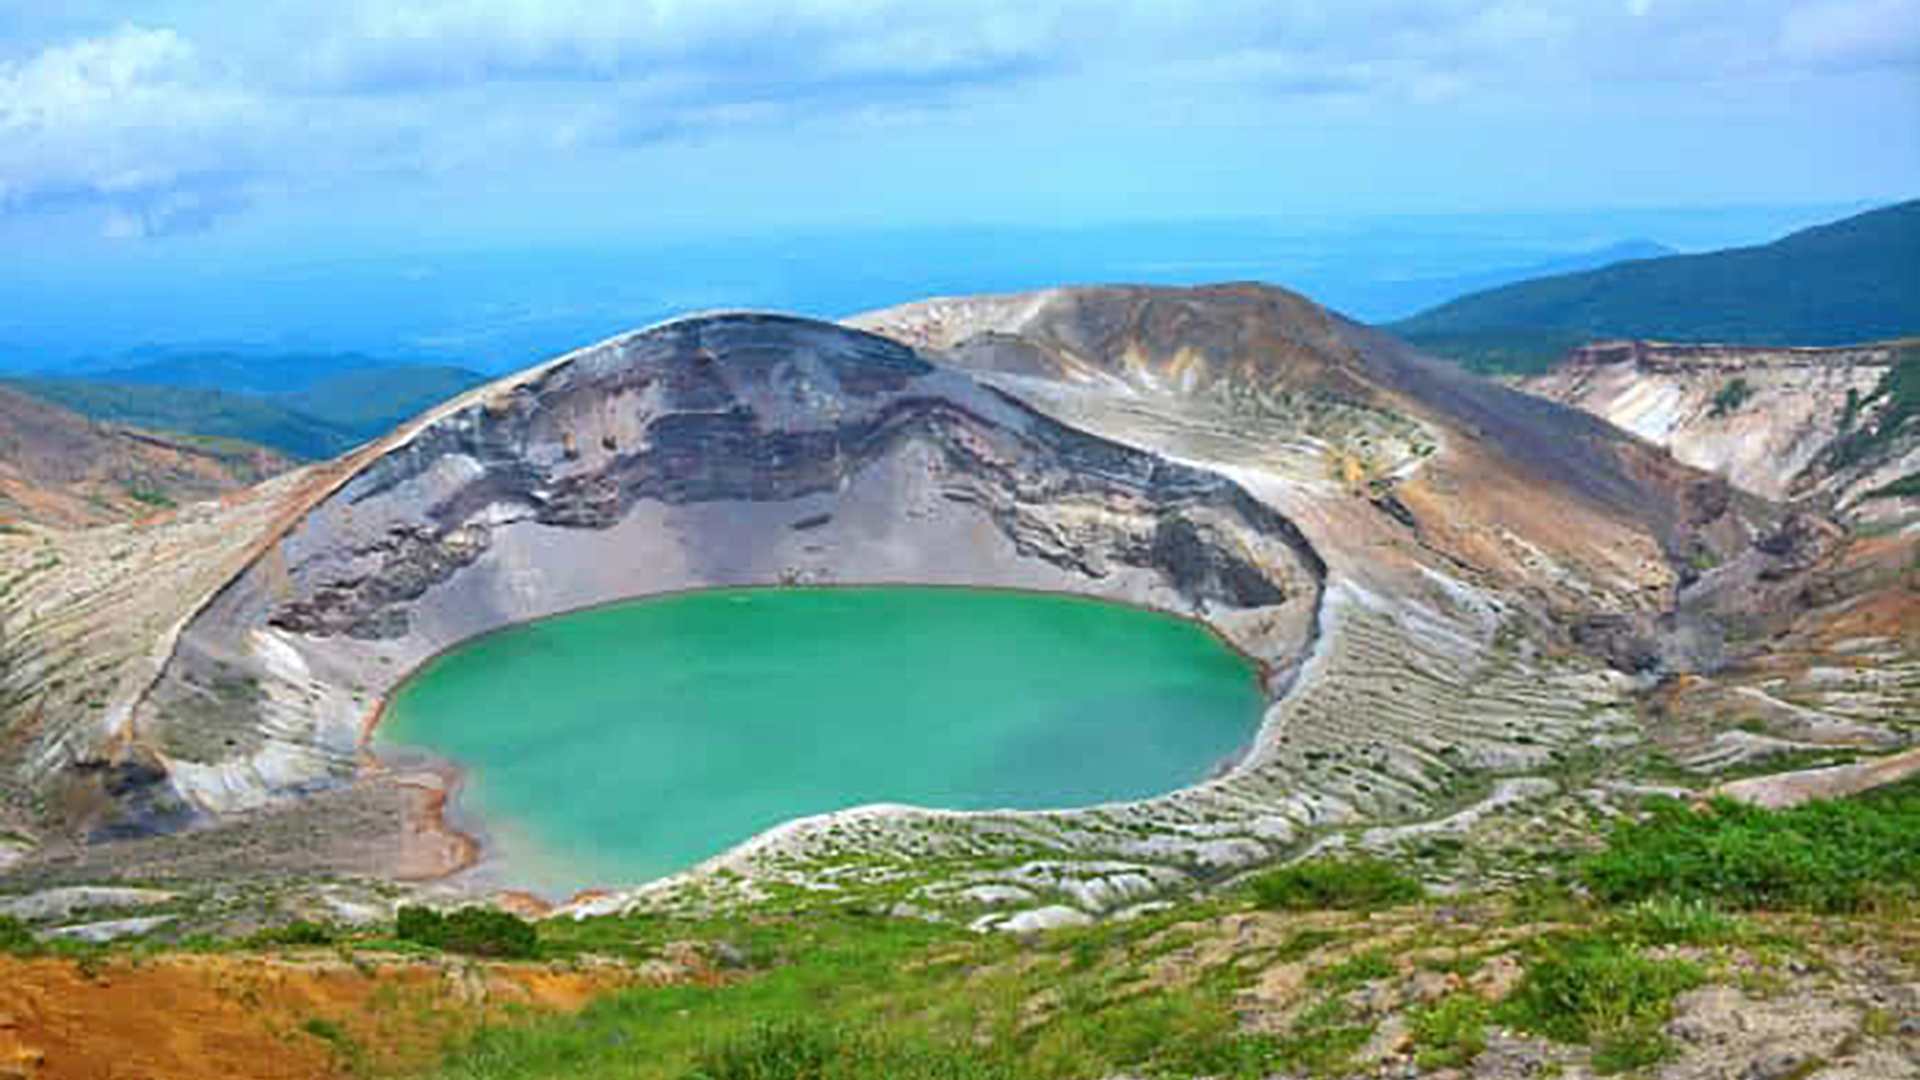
(265,1018)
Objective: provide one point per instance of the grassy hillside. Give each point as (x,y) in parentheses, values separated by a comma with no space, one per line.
(1852,280)
(319,420)
(196,411)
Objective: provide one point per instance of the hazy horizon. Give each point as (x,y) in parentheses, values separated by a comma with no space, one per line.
(495,310)
(444,178)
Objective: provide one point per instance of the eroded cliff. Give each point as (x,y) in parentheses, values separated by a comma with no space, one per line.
(1765,417)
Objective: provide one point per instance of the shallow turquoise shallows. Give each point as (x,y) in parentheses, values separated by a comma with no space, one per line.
(626,742)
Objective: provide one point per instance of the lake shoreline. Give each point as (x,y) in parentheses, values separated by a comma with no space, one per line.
(428,837)
(440,819)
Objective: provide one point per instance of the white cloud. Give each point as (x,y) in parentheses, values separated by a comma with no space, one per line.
(166,129)
(1852,33)
(135,119)
(373,45)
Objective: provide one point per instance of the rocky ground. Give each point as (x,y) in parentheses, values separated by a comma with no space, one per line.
(60,469)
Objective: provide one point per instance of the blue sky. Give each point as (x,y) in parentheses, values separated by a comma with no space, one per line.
(348,126)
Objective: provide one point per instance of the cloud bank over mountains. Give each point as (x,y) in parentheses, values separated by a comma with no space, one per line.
(167,117)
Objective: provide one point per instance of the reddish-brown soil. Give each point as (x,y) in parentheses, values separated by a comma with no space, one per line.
(297,1017)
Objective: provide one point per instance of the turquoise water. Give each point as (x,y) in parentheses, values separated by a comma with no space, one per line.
(627,742)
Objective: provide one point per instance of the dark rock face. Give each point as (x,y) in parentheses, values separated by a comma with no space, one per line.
(141,801)
(1677,642)
(411,562)
(1624,643)
(1203,569)
(1802,540)
(764,409)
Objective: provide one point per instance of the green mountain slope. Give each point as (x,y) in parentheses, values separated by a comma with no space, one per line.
(371,400)
(235,372)
(319,421)
(1852,280)
(194,410)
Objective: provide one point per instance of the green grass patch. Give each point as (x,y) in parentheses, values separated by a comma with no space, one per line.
(1598,990)
(1303,943)
(834,995)
(1451,1032)
(1323,1041)
(16,937)
(153,497)
(1838,856)
(1675,920)
(1351,884)
(1355,971)
(810,1050)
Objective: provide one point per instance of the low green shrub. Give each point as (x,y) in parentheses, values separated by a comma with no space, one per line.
(16,936)
(1730,397)
(1323,1040)
(1451,1032)
(1355,884)
(151,497)
(325,1030)
(1674,920)
(1841,855)
(1598,990)
(476,931)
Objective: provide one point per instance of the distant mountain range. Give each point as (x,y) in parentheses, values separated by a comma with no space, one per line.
(304,405)
(1853,280)
(238,371)
(1388,298)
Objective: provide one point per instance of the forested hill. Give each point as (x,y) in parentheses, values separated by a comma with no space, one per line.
(1852,280)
